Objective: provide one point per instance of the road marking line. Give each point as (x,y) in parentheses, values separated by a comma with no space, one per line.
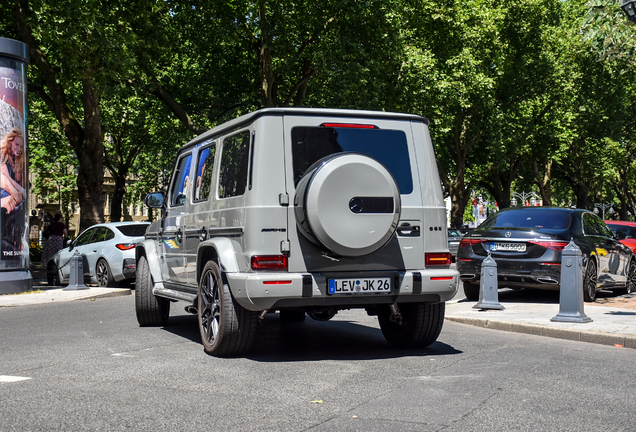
(8,378)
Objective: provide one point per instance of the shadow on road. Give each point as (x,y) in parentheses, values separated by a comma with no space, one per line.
(311,340)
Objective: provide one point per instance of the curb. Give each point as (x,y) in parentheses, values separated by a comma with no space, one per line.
(60,296)
(540,330)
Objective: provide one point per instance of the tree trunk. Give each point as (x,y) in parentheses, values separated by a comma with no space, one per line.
(90,152)
(87,142)
(118,196)
(544,182)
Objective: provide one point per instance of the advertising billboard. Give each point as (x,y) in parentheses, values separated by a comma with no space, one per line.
(14,247)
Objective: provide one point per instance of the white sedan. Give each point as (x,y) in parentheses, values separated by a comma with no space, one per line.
(108,252)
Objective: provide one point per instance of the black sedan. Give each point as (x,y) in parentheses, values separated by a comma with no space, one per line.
(527,242)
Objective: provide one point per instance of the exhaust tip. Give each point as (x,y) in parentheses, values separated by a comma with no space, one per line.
(191,309)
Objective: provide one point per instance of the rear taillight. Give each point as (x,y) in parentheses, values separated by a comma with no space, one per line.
(125,246)
(465,242)
(556,245)
(269,262)
(438,259)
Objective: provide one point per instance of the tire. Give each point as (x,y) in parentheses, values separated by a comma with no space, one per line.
(630,285)
(151,310)
(103,274)
(421,324)
(227,329)
(471,291)
(590,278)
(52,274)
(292,316)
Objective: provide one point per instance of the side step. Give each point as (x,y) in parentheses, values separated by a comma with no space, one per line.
(160,291)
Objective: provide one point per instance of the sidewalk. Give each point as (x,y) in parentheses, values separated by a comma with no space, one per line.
(42,293)
(531,314)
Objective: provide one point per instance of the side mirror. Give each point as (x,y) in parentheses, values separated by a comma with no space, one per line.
(154,200)
(621,235)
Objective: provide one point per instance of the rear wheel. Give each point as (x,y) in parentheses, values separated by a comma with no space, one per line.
(471,291)
(227,329)
(103,274)
(151,310)
(630,285)
(590,281)
(420,327)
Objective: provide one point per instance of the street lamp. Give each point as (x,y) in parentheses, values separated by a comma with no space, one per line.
(603,207)
(629,7)
(523,196)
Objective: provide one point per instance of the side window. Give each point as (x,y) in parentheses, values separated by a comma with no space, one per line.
(99,235)
(85,238)
(234,164)
(590,226)
(181,183)
(108,235)
(204,176)
(605,231)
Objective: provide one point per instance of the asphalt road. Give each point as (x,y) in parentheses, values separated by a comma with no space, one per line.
(91,367)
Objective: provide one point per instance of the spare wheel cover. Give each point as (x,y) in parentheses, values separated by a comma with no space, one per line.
(352,204)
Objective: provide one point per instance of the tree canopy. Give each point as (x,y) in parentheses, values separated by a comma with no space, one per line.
(522,95)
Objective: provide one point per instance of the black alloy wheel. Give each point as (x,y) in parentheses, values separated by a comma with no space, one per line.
(227,329)
(103,274)
(590,279)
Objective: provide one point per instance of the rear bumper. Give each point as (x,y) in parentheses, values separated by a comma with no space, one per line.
(263,291)
(515,274)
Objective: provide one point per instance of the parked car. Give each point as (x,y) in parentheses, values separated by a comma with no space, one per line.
(454,236)
(526,244)
(624,231)
(108,252)
(301,212)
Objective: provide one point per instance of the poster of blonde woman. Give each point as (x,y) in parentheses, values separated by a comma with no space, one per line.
(13,164)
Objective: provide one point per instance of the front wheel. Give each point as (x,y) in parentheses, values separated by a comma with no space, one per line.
(420,327)
(590,281)
(151,310)
(227,329)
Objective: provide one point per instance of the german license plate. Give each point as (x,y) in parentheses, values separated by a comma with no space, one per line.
(508,247)
(359,286)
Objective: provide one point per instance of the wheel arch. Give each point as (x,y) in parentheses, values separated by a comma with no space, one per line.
(220,250)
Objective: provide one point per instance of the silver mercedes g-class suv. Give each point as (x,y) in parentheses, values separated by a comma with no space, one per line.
(301,212)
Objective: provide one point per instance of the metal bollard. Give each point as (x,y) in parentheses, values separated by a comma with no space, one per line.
(488,287)
(76,274)
(571,295)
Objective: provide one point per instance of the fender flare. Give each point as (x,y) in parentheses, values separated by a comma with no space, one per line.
(221,250)
(148,248)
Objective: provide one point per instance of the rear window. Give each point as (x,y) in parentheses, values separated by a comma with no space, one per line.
(133,230)
(389,147)
(529,219)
